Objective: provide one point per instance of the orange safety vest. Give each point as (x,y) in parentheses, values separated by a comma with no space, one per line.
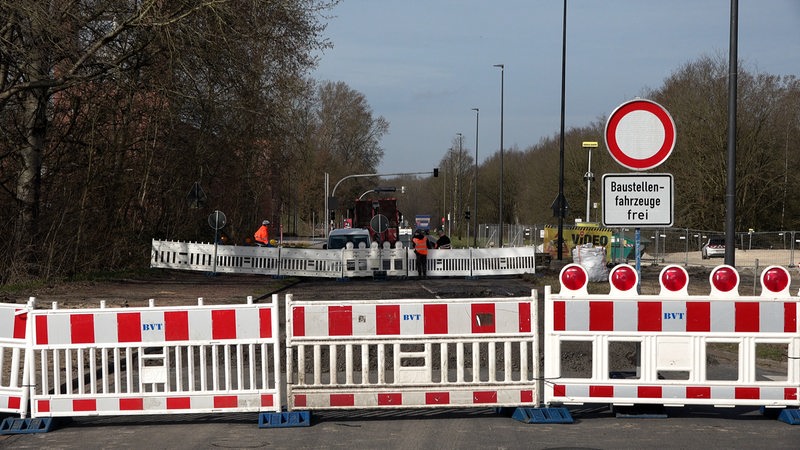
(421,245)
(262,235)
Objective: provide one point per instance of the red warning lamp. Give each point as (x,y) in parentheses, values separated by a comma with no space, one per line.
(674,278)
(623,278)
(573,277)
(775,279)
(724,278)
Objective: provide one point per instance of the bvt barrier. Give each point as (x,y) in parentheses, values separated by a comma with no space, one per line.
(13,343)
(344,263)
(155,360)
(672,349)
(411,353)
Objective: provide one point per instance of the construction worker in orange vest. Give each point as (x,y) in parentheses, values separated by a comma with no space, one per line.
(420,242)
(262,234)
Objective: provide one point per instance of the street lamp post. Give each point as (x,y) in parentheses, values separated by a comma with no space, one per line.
(589,177)
(561,200)
(475,207)
(459,187)
(502,80)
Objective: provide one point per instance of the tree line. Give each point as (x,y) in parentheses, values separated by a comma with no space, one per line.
(128,120)
(125,121)
(767,171)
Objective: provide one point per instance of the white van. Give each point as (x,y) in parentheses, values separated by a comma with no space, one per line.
(338,238)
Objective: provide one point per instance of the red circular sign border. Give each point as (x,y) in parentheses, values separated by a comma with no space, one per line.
(669,136)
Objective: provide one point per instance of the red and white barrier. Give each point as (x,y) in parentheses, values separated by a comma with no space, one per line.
(13,342)
(411,353)
(671,344)
(156,360)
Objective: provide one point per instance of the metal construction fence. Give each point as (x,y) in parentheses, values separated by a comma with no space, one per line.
(754,249)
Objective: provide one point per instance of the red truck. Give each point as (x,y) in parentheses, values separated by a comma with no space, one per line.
(364,212)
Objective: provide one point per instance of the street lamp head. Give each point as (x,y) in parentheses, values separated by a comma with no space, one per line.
(501,66)
(476,109)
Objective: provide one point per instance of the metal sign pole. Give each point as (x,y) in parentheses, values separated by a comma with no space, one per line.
(637,245)
(216,242)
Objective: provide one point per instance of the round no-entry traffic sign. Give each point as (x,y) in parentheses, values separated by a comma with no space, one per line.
(640,134)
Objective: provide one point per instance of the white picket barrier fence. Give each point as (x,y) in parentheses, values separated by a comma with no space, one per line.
(13,344)
(155,360)
(503,261)
(412,353)
(201,257)
(450,263)
(347,263)
(672,349)
(302,262)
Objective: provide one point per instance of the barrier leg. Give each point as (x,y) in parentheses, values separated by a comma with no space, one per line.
(543,415)
(14,425)
(790,416)
(285,419)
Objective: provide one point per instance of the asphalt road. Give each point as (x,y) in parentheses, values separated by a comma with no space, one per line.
(596,426)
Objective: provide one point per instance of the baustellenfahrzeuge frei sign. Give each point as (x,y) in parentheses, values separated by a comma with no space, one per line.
(638,200)
(640,135)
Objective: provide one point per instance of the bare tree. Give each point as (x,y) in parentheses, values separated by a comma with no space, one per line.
(186,89)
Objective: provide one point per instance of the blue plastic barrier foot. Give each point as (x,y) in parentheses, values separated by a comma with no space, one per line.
(790,416)
(12,425)
(543,415)
(284,419)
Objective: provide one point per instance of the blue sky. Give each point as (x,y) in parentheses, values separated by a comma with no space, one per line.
(424,64)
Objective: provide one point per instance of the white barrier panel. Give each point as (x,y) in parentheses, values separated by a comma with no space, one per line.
(156,360)
(364,262)
(503,261)
(361,262)
(200,257)
(13,393)
(303,262)
(246,259)
(672,349)
(412,353)
(397,262)
(450,263)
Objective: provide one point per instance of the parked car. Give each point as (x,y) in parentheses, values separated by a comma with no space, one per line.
(714,248)
(338,238)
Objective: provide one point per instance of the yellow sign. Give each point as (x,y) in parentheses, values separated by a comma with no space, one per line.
(574,236)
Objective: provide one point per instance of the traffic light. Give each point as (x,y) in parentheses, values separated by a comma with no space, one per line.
(435,172)
(333,215)
(466,215)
